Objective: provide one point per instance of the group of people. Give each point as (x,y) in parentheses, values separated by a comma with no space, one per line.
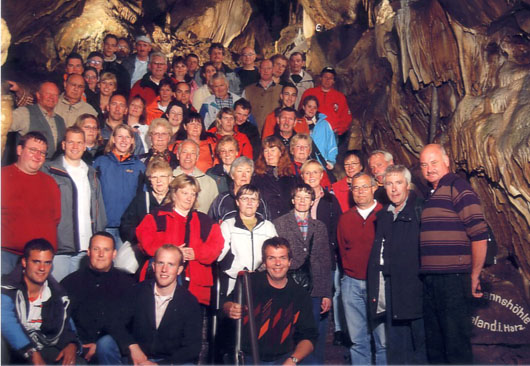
(200,173)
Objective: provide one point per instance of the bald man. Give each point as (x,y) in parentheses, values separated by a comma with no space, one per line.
(453,247)
(248,72)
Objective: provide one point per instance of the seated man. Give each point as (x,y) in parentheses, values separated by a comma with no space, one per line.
(162,325)
(98,294)
(35,321)
(282,310)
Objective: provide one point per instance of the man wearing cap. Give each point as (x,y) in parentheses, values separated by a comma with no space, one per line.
(136,64)
(332,102)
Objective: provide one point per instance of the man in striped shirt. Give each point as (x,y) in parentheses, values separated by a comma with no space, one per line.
(452,245)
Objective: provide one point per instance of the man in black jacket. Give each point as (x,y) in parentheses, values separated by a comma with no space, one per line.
(98,295)
(394,286)
(163,321)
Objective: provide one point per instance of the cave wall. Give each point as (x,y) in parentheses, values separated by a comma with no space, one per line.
(455,72)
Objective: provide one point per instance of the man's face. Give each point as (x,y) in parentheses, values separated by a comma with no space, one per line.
(74,88)
(188,156)
(101,253)
(265,70)
(378,164)
(278,67)
(434,164)
(193,64)
(288,96)
(277,264)
(241,115)
(38,266)
(220,88)
(183,93)
(117,108)
(31,157)
(167,266)
(74,66)
(286,121)
(327,80)
(48,96)
(110,46)
(217,56)
(363,192)
(296,63)
(302,201)
(158,67)
(143,49)
(123,49)
(248,204)
(74,146)
(248,56)
(397,188)
(312,175)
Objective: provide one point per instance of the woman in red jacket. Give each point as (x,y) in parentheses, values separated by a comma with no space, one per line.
(196,234)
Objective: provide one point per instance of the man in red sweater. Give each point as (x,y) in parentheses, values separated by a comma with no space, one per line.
(31,201)
(332,102)
(356,234)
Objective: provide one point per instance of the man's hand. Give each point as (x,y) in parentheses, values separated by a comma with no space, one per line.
(189,253)
(13,86)
(329,166)
(91,350)
(36,359)
(289,362)
(325,305)
(138,357)
(233,310)
(476,290)
(68,354)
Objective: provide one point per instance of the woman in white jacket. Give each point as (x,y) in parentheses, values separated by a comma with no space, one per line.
(244,235)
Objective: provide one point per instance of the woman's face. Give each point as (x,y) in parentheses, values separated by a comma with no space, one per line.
(272,155)
(228,153)
(96,62)
(312,175)
(90,127)
(352,166)
(107,87)
(122,141)
(175,116)
(310,109)
(160,180)
(227,124)
(242,175)
(160,138)
(166,94)
(193,129)
(136,108)
(301,151)
(248,204)
(209,72)
(184,198)
(91,79)
(180,70)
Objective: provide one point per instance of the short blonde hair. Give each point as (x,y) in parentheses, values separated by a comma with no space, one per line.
(108,76)
(298,137)
(310,162)
(158,122)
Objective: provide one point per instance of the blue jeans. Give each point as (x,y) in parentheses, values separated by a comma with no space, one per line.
(338,309)
(108,352)
(354,298)
(115,232)
(321,322)
(9,261)
(64,264)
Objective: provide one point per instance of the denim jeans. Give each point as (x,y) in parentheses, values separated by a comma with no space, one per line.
(115,232)
(64,264)
(321,322)
(338,309)
(9,261)
(108,352)
(354,298)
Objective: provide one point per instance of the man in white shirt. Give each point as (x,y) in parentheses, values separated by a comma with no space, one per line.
(82,208)
(136,64)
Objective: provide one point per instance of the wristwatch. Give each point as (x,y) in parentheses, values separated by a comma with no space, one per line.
(29,353)
(294,359)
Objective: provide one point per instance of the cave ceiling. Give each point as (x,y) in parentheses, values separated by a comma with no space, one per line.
(450,71)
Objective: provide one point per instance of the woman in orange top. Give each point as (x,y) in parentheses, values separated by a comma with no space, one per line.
(225,125)
(166,94)
(193,128)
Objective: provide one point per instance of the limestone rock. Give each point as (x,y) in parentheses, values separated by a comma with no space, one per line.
(6,40)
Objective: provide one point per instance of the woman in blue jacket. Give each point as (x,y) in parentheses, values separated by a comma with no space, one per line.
(119,173)
(321,132)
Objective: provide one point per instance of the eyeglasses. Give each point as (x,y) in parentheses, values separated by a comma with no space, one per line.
(35,151)
(160,177)
(364,187)
(95,62)
(159,134)
(249,199)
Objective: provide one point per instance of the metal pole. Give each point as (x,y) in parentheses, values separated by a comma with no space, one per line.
(251,320)
(239,324)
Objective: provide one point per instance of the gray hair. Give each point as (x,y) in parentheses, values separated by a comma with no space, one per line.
(373,182)
(159,122)
(242,160)
(197,147)
(394,169)
(216,76)
(388,156)
(157,54)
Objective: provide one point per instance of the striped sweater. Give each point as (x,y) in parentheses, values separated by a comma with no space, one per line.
(452,218)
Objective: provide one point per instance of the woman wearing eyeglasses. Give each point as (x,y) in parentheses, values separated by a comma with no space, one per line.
(353,164)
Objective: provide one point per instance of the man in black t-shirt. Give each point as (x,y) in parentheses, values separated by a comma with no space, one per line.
(282,310)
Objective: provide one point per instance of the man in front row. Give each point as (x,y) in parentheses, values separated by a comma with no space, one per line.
(98,295)
(163,322)
(35,321)
(283,310)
